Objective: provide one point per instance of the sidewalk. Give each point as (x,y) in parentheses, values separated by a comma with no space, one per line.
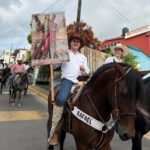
(39,91)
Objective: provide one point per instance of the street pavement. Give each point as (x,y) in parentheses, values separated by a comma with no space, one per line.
(25,128)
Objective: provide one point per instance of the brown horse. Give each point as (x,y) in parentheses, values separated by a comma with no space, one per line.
(112,92)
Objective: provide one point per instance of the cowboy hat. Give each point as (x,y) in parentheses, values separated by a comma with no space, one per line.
(78,37)
(122,47)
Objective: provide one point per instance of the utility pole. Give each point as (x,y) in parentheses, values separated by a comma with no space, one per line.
(79,10)
(10,52)
(78,16)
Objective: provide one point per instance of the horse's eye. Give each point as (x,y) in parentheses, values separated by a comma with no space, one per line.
(122,88)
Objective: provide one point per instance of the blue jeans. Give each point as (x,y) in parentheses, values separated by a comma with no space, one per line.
(64,91)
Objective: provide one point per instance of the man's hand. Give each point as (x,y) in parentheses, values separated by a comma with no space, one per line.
(82,68)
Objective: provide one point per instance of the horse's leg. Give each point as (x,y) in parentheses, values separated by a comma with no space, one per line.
(106,147)
(62,138)
(11,91)
(49,122)
(1,87)
(50,147)
(19,98)
(10,95)
(137,142)
(25,90)
(81,146)
(13,96)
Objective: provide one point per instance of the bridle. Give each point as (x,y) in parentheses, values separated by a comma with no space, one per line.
(116,111)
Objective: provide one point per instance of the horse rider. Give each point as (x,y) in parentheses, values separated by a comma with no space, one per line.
(119,51)
(70,71)
(18,68)
(6,71)
(2,66)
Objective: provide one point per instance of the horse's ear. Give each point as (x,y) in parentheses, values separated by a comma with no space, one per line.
(143,73)
(119,69)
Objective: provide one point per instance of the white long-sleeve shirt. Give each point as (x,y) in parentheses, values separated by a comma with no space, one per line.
(71,70)
(111,59)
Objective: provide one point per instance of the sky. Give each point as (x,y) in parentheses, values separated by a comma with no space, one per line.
(106,17)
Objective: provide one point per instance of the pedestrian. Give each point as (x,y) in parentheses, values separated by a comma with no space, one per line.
(70,71)
(119,52)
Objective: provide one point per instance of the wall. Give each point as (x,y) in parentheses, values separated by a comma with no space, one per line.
(95,58)
(143,59)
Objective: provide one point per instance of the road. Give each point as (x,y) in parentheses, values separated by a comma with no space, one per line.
(25,128)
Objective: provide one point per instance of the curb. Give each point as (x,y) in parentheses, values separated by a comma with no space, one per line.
(38,92)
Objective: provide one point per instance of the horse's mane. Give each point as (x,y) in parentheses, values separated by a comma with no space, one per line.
(129,79)
(20,83)
(102,69)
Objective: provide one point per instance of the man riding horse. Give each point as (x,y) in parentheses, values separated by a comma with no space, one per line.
(70,71)
(1,68)
(18,68)
(4,76)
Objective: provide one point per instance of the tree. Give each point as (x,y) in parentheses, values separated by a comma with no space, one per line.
(131,60)
(86,32)
(29,55)
(29,38)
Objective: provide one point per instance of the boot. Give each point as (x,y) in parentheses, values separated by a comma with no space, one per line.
(57,113)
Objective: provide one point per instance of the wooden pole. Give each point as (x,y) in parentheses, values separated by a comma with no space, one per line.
(79,10)
(52,82)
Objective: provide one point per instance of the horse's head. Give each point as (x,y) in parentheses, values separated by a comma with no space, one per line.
(123,94)
(20,81)
(121,86)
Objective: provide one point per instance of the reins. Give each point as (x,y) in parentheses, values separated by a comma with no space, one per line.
(116,111)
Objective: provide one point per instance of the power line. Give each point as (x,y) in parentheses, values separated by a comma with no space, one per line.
(119,13)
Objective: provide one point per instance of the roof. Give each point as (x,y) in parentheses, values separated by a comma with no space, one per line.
(138,31)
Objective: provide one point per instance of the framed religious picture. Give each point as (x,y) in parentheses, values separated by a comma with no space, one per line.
(49,39)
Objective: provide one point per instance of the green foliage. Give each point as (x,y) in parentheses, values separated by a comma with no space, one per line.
(131,60)
(29,38)
(109,52)
(44,71)
(29,55)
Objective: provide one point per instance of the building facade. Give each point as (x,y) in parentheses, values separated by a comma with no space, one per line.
(7,56)
(139,38)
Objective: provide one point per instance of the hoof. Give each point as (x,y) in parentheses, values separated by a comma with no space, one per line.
(12,104)
(19,105)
